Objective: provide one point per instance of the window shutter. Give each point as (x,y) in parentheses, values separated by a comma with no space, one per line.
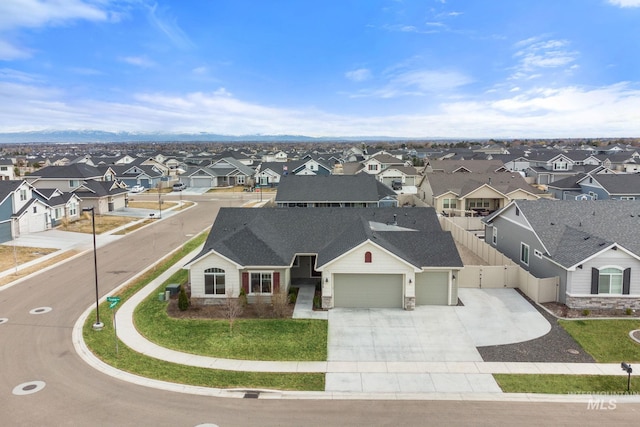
(276,282)
(245,283)
(626,281)
(595,277)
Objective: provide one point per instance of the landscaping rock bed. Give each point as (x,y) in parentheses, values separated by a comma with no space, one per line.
(557,346)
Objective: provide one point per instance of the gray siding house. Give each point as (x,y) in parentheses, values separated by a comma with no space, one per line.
(592,246)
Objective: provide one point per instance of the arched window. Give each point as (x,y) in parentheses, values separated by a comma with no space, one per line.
(367,257)
(610,281)
(214,281)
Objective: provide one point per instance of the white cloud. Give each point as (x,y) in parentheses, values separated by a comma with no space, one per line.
(625,3)
(416,82)
(541,112)
(38,13)
(138,61)
(10,51)
(536,54)
(168,26)
(359,75)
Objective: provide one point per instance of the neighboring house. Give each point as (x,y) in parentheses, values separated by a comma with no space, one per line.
(20,212)
(592,246)
(622,186)
(64,206)
(226,172)
(404,178)
(378,163)
(547,167)
(469,166)
(308,166)
(132,175)
(7,172)
(359,190)
(70,177)
(103,196)
(268,174)
(463,193)
(368,257)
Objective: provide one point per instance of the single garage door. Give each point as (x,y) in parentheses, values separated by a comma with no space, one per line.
(368,290)
(432,288)
(201,182)
(5,231)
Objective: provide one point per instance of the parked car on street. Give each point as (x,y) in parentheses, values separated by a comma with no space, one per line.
(179,186)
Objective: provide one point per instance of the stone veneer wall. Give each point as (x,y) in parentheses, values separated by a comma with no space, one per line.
(596,302)
(409,303)
(327,302)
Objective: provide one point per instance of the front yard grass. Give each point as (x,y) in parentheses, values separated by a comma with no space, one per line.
(148,204)
(104,223)
(102,344)
(251,339)
(606,340)
(562,384)
(12,255)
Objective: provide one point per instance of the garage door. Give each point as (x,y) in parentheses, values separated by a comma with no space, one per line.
(368,290)
(432,288)
(5,231)
(201,182)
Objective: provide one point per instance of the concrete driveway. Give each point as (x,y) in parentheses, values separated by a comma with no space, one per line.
(429,334)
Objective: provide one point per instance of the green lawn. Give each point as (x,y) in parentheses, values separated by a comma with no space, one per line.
(252,339)
(102,344)
(563,384)
(607,341)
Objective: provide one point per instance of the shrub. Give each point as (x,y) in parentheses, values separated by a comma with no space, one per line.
(280,302)
(317,302)
(586,312)
(629,311)
(261,306)
(242,298)
(293,295)
(183,299)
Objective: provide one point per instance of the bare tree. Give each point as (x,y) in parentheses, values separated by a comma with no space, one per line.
(232,310)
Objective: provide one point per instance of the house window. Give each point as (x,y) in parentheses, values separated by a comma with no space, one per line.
(23,195)
(449,203)
(610,281)
(593,195)
(73,209)
(494,236)
(73,183)
(627,198)
(373,167)
(35,209)
(240,179)
(517,211)
(524,253)
(214,281)
(560,166)
(261,283)
(367,257)
(58,213)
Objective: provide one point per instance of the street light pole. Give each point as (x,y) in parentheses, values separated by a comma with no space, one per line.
(98,325)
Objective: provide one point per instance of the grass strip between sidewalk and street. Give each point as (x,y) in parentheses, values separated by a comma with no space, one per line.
(563,384)
(606,340)
(102,344)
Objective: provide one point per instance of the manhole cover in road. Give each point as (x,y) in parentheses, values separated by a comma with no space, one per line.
(40,310)
(3,320)
(573,351)
(28,388)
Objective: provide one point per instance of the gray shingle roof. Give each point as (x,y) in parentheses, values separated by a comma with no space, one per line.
(574,230)
(462,183)
(620,183)
(272,237)
(331,188)
(73,171)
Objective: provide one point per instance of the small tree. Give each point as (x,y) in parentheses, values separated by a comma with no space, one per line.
(232,310)
(183,299)
(280,301)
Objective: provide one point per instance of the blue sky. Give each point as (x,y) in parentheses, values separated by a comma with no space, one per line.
(405,68)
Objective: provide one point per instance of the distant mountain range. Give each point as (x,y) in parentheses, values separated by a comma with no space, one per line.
(72,136)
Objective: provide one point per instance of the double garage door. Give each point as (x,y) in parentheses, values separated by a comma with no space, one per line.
(202,182)
(368,290)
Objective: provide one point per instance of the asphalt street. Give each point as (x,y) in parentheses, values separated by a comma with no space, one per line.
(37,346)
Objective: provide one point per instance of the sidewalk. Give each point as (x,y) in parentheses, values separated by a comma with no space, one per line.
(426,380)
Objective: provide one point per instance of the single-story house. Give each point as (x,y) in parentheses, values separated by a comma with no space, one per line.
(367,257)
(360,190)
(103,196)
(591,245)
